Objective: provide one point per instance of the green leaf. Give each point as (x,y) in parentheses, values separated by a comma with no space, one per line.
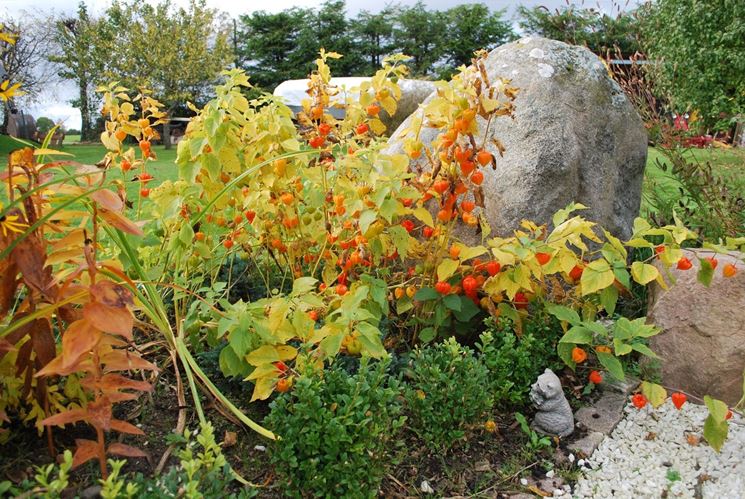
(565,353)
(453,302)
(404,305)
(564,314)
(303,285)
(654,393)
(467,311)
(231,364)
(427,334)
(623,329)
(577,335)
(609,298)
(426,294)
(370,339)
(644,273)
(401,240)
(424,215)
(612,364)
(715,432)
(597,275)
(621,348)
(366,219)
(644,350)
(446,269)
(705,273)
(717,408)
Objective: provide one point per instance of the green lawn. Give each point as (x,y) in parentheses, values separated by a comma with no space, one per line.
(728,163)
(71,139)
(164,168)
(725,163)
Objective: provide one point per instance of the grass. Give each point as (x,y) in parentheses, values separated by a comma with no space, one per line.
(726,163)
(164,168)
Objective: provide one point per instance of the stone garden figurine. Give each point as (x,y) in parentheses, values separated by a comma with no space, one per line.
(554,416)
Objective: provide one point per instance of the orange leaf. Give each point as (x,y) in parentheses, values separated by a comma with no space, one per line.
(108,200)
(124,427)
(110,319)
(85,451)
(125,450)
(123,224)
(114,382)
(111,294)
(67,417)
(78,340)
(121,360)
(99,413)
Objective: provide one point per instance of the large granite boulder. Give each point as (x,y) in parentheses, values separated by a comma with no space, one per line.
(575,138)
(413,93)
(702,343)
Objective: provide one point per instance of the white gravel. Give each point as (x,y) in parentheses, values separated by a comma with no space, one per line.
(648,455)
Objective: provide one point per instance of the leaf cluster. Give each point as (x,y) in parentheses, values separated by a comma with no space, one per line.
(338,432)
(447,392)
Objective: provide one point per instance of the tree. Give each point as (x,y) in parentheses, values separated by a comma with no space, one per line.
(78,58)
(699,53)
(599,32)
(372,34)
(472,27)
(25,61)
(420,34)
(177,53)
(43,125)
(266,44)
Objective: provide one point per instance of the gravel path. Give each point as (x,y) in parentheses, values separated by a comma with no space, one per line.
(655,453)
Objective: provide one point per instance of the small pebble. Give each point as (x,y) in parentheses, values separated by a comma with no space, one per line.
(550,474)
(524,481)
(426,487)
(260,448)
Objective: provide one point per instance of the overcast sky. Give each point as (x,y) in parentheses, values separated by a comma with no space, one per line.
(55,104)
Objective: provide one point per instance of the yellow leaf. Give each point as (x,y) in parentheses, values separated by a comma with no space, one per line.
(654,393)
(263,388)
(446,269)
(643,273)
(424,215)
(50,152)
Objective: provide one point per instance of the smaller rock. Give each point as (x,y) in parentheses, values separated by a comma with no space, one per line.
(521,495)
(550,474)
(260,448)
(92,492)
(426,487)
(586,446)
(524,481)
(604,415)
(482,466)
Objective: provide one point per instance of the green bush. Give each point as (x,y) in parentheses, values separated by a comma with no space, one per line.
(514,363)
(447,392)
(337,432)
